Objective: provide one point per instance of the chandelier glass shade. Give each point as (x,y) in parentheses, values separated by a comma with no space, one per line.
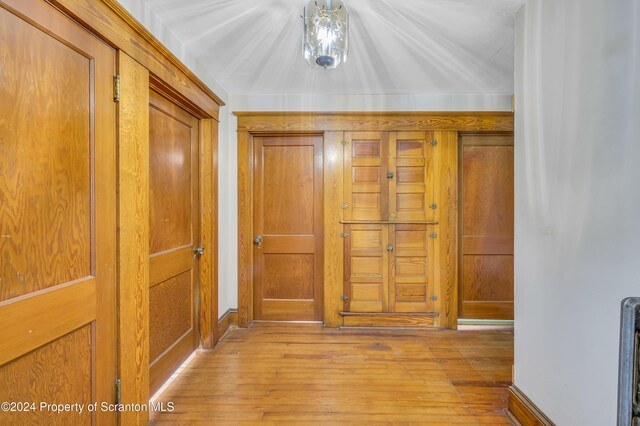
(326,33)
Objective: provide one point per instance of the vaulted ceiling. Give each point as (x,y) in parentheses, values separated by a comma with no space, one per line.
(396,46)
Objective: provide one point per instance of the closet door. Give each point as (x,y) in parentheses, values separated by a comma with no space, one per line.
(366,186)
(173,234)
(411,188)
(411,283)
(57,216)
(366,268)
(486,227)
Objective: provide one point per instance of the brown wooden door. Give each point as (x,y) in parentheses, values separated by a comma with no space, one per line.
(366,272)
(57,215)
(288,219)
(173,233)
(366,186)
(486,227)
(411,274)
(411,187)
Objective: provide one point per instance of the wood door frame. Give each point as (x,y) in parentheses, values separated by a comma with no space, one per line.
(245,218)
(445,126)
(461,135)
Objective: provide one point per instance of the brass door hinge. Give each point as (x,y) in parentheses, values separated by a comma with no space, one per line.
(344,234)
(116,88)
(344,142)
(344,206)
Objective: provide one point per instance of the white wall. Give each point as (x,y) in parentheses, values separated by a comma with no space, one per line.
(577,235)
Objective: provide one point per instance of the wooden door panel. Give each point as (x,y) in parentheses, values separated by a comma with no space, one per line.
(173,233)
(366,185)
(288,218)
(411,282)
(486,223)
(411,189)
(57,214)
(366,268)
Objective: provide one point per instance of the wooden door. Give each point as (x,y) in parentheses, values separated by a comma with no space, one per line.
(411,274)
(411,195)
(288,221)
(366,185)
(173,234)
(486,227)
(366,271)
(57,216)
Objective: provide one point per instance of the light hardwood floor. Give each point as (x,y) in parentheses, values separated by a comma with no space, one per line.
(303,373)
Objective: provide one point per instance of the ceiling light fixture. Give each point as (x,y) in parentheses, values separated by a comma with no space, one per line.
(326,33)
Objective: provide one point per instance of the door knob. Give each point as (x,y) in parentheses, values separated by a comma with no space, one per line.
(198,251)
(258,241)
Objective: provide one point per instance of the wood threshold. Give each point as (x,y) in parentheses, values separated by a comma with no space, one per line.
(523,411)
(383,314)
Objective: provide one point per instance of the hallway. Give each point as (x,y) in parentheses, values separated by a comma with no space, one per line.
(305,373)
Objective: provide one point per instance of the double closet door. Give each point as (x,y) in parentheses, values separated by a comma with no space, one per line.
(389,226)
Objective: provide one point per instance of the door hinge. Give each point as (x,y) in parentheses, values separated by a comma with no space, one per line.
(118,391)
(433,206)
(434,298)
(116,88)
(344,206)
(433,235)
(434,142)
(344,298)
(344,142)
(344,234)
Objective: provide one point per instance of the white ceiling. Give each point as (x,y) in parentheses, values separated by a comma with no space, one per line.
(253,47)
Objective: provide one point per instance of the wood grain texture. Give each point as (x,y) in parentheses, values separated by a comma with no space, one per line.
(86,120)
(389,319)
(287,206)
(333,214)
(114,24)
(133,237)
(45,161)
(174,231)
(525,412)
(309,374)
(245,230)
(59,372)
(486,226)
(446,247)
(374,121)
(208,232)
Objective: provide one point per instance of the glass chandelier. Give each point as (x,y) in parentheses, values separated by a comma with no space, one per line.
(326,33)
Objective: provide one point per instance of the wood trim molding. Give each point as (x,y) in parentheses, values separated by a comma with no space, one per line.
(384,319)
(245,230)
(229,319)
(133,237)
(373,121)
(524,412)
(115,25)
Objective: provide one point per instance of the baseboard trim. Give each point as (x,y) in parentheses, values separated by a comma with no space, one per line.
(230,318)
(523,411)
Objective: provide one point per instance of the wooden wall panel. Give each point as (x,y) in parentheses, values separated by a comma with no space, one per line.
(446,247)
(133,241)
(366,186)
(374,121)
(60,373)
(366,268)
(333,214)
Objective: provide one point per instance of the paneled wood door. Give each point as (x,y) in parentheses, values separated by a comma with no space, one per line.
(288,224)
(486,227)
(173,234)
(411,274)
(366,272)
(366,186)
(57,215)
(411,195)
